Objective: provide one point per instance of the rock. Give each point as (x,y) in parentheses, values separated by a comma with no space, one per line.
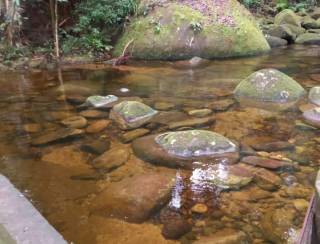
(97,147)
(131,114)
(98,126)
(309,38)
(134,134)
(135,198)
(287,16)
(198,122)
(269,88)
(277,224)
(314,95)
(164,106)
(309,23)
(199,208)
(75,99)
(31,128)
(298,191)
(316,13)
(192,63)
(283,32)
(112,159)
(315,77)
(56,136)
(200,113)
(276,41)
(224,236)
(77,122)
(72,89)
(306,107)
(265,179)
(101,101)
(165,118)
(246,150)
(312,117)
(221,105)
(273,146)
(182,30)
(183,148)
(93,114)
(266,162)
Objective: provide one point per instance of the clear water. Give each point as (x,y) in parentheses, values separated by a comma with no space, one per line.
(63,186)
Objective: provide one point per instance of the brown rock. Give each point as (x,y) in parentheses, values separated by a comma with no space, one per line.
(200,113)
(266,162)
(97,147)
(135,198)
(221,105)
(94,114)
(273,146)
(31,128)
(224,236)
(77,122)
(199,208)
(199,122)
(98,126)
(134,134)
(164,106)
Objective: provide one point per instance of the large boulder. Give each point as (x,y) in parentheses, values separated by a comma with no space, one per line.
(186,149)
(187,28)
(309,38)
(269,88)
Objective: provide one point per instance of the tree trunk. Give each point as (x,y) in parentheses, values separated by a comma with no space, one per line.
(54,24)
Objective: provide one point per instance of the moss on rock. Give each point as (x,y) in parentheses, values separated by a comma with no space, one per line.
(175,30)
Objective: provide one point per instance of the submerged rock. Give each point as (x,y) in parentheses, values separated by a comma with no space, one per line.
(269,88)
(314,95)
(100,101)
(184,29)
(276,41)
(196,122)
(312,117)
(77,122)
(134,134)
(56,136)
(287,16)
(266,162)
(186,148)
(225,236)
(135,198)
(131,114)
(192,63)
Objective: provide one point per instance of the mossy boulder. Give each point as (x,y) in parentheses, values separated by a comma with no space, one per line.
(269,88)
(287,16)
(309,39)
(184,29)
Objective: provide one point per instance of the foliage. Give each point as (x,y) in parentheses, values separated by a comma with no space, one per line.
(98,21)
(196,26)
(251,3)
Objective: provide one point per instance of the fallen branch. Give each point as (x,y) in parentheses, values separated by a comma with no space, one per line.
(124,58)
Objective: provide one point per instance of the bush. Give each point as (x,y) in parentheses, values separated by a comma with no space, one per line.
(251,3)
(98,21)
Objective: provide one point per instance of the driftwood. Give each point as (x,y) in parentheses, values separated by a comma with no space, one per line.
(125,56)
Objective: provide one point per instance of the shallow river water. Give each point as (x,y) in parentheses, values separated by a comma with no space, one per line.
(60,181)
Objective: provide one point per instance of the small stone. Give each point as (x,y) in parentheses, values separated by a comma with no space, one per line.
(266,162)
(100,101)
(198,122)
(98,126)
(31,128)
(301,205)
(134,134)
(77,122)
(97,147)
(164,106)
(94,114)
(224,236)
(312,117)
(305,107)
(199,208)
(221,105)
(76,99)
(314,95)
(273,146)
(200,113)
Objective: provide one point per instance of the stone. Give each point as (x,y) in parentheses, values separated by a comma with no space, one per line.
(200,113)
(185,148)
(309,38)
(192,63)
(277,224)
(266,162)
(315,77)
(98,126)
(93,114)
(316,13)
(283,32)
(221,105)
(164,106)
(276,41)
(134,134)
(269,88)
(224,177)
(224,236)
(273,146)
(301,205)
(135,198)
(287,16)
(183,30)
(167,117)
(101,101)
(75,99)
(131,114)
(112,159)
(77,122)
(314,95)
(56,136)
(96,147)
(32,128)
(312,117)
(197,122)
(298,191)
(309,23)
(199,208)
(306,107)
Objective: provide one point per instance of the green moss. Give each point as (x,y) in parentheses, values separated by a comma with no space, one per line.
(177,40)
